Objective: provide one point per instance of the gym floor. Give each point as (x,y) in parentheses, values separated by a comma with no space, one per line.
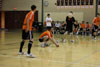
(84,52)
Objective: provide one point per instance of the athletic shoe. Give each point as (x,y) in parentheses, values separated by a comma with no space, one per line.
(42,45)
(30,56)
(64,41)
(72,40)
(95,38)
(65,33)
(21,53)
(77,33)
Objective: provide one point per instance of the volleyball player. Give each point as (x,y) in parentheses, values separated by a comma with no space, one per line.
(96,23)
(46,36)
(27,33)
(70,20)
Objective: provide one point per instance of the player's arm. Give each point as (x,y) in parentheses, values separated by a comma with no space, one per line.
(49,20)
(28,20)
(74,20)
(94,21)
(64,23)
(56,44)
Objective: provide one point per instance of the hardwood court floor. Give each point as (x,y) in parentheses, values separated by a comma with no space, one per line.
(84,52)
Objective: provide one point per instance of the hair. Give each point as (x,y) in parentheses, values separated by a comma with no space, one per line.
(33,7)
(48,14)
(87,22)
(71,12)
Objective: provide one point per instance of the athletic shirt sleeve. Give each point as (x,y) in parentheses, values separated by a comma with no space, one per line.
(66,19)
(50,34)
(73,19)
(31,20)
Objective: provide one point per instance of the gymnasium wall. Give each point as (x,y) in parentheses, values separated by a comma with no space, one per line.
(21,5)
(61,16)
(86,14)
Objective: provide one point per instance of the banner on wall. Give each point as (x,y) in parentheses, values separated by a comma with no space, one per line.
(0,3)
(75,3)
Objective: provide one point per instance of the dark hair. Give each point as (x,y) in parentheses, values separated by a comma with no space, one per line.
(48,14)
(71,12)
(87,22)
(33,7)
(83,21)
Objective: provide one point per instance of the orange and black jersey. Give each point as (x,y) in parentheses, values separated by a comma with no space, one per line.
(29,19)
(88,25)
(82,25)
(96,21)
(46,33)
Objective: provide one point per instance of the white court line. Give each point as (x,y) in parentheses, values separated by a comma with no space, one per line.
(83,58)
(11,42)
(54,61)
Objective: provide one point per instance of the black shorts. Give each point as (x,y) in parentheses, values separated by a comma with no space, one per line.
(42,39)
(27,35)
(82,29)
(69,29)
(87,29)
(95,28)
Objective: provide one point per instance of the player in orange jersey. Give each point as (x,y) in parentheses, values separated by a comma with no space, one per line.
(88,26)
(27,31)
(96,23)
(46,36)
(82,28)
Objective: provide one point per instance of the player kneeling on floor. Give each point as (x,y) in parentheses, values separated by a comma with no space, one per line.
(46,36)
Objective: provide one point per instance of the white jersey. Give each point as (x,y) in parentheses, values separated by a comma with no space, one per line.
(57,25)
(48,21)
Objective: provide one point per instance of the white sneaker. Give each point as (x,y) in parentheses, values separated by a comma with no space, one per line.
(95,38)
(42,45)
(77,33)
(21,53)
(72,40)
(30,56)
(64,41)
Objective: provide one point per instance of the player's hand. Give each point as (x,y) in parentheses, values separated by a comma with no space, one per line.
(96,30)
(57,45)
(26,30)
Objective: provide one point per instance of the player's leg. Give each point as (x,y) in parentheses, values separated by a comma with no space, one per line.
(21,47)
(65,34)
(72,37)
(30,45)
(44,41)
(95,32)
(24,36)
(84,31)
(81,31)
(71,34)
